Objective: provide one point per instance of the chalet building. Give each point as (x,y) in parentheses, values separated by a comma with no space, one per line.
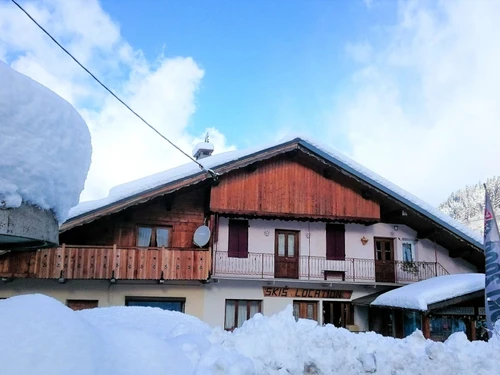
(291,223)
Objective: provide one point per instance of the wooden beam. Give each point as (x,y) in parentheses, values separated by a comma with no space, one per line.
(429,233)
(426,326)
(461,253)
(456,300)
(296,216)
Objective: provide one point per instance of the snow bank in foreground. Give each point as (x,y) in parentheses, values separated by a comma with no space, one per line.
(42,336)
(419,295)
(44,143)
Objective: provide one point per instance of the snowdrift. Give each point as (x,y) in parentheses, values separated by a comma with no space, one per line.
(45,146)
(42,336)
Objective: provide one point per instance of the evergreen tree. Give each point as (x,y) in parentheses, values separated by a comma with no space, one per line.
(467,205)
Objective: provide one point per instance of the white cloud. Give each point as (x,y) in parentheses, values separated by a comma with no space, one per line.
(368,3)
(424,108)
(163,91)
(359,52)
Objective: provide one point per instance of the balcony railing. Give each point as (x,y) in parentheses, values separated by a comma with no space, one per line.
(262,266)
(106,262)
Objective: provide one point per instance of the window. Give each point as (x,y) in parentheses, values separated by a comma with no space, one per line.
(81,304)
(408,251)
(238,311)
(238,239)
(335,242)
(171,304)
(305,310)
(383,249)
(153,236)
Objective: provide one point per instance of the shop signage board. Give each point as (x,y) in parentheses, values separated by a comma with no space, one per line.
(271,291)
(456,310)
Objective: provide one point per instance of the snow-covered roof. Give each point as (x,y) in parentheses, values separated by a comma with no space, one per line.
(45,146)
(213,162)
(420,295)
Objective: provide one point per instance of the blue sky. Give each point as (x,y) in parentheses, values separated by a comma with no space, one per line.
(267,65)
(406,88)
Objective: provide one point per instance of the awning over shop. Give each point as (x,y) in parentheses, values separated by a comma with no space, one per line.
(367,300)
(433,293)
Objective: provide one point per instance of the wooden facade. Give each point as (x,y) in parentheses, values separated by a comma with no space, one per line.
(100,263)
(286,187)
(183,212)
(108,248)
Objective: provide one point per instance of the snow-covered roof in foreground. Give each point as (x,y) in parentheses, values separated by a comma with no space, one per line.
(147,183)
(420,295)
(45,146)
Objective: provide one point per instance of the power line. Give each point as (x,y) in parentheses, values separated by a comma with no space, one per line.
(209,171)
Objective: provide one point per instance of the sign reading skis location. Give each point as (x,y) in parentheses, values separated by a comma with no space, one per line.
(492,269)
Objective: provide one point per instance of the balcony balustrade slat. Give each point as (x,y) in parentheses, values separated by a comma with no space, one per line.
(261,265)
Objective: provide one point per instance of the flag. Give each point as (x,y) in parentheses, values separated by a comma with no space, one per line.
(492,266)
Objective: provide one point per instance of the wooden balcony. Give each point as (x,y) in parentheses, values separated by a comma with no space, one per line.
(355,270)
(105,262)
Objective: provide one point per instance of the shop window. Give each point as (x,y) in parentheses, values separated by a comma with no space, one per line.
(153,236)
(305,310)
(443,326)
(411,322)
(238,311)
(81,304)
(170,304)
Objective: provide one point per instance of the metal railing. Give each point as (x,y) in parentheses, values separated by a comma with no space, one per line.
(262,266)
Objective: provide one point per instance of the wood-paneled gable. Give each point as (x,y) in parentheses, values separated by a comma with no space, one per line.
(181,211)
(287,187)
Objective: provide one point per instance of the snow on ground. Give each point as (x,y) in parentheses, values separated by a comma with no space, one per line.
(419,295)
(42,336)
(44,143)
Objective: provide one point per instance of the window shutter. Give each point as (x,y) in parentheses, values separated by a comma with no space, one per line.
(335,242)
(238,239)
(233,239)
(243,239)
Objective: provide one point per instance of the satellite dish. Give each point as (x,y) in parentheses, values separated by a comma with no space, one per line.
(201,236)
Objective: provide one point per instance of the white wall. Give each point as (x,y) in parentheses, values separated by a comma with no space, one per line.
(261,236)
(261,239)
(107,294)
(217,293)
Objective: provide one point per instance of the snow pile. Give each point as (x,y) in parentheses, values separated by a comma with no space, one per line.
(42,336)
(288,347)
(45,146)
(419,295)
(212,162)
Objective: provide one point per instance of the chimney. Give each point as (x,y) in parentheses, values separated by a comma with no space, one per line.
(203,149)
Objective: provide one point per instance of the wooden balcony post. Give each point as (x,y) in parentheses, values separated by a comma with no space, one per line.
(426,326)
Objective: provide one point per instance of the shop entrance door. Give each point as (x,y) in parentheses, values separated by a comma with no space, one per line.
(339,314)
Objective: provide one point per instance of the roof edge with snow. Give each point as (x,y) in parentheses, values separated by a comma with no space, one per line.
(223,165)
(429,294)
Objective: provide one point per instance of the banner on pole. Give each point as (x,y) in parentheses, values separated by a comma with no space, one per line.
(492,266)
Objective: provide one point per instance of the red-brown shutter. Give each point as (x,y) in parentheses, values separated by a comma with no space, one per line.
(243,239)
(238,239)
(335,242)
